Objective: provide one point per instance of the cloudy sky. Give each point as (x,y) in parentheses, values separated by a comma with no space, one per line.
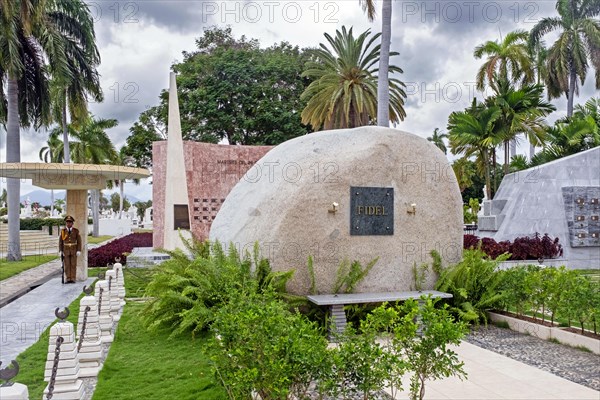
(139,40)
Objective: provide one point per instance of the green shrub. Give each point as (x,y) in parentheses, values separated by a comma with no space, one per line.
(186,292)
(422,336)
(260,346)
(415,339)
(362,364)
(474,284)
(350,274)
(36,224)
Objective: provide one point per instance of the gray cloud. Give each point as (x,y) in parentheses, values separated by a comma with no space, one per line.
(183,16)
(454,17)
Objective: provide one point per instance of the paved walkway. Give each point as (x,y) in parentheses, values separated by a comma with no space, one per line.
(492,376)
(23,320)
(20,284)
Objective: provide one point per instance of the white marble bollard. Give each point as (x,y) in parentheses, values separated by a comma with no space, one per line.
(115,302)
(105,320)
(67,385)
(118,267)
(17,391)
(90,346)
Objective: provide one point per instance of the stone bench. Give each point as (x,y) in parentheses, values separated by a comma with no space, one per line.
(336,302)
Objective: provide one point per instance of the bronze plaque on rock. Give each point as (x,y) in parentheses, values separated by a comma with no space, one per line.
(371,211)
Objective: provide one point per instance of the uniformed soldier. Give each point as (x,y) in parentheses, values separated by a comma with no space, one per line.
(69,245)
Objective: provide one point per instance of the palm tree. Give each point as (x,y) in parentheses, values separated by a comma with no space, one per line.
(72,84)
(509,60)
(578,43)
(464,171)
(93,146)
(383,86)
(52,153)
(471,133)
(571,135)
(522,112)
(124,160)
(343,93)
(438,140)
(539,56)
(22,67)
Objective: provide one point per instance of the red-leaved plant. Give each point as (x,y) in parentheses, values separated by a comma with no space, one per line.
(522,248)
(104,255)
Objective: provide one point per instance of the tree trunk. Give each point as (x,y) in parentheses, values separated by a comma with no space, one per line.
(66,148)
(13,185)
(422,389)
(506,157)
(488,180)
(531,151)
(383,83)
(572,82)
(121,183)
(96,212)
(513,148)
(494,166)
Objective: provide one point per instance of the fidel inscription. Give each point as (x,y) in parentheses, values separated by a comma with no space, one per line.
(371,211)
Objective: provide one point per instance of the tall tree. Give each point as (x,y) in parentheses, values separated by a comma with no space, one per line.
(438,140)
(74,82)
(52,153)
(92,145)
(471,133)
(571,135)
(232,89)
(343,91)
(578,43)
(125,160)
(150,127)
(522,112)
(506,60)
(26,99)
(539,56)
(383,85)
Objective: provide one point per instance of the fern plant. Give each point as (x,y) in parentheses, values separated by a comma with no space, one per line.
(350,274)
(475,285)
(186,291)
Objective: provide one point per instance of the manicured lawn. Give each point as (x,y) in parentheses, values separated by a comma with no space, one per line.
(99,239)
(150,365)
(8,269)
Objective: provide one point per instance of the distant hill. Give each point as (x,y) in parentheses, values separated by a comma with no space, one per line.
(44,198)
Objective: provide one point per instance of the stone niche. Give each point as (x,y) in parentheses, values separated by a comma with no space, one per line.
(297,202)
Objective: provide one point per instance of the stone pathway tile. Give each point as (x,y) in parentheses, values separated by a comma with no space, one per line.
(23,320)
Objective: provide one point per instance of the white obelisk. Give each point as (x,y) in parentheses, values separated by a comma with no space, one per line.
(176,191)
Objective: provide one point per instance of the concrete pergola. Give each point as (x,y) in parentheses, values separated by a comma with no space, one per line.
(77,179)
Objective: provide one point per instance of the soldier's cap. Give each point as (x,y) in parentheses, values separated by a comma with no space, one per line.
(69,218)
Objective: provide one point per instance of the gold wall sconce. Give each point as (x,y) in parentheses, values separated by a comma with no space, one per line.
(411,208)
(334,208)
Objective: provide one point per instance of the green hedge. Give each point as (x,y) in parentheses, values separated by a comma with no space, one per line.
(32,224)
